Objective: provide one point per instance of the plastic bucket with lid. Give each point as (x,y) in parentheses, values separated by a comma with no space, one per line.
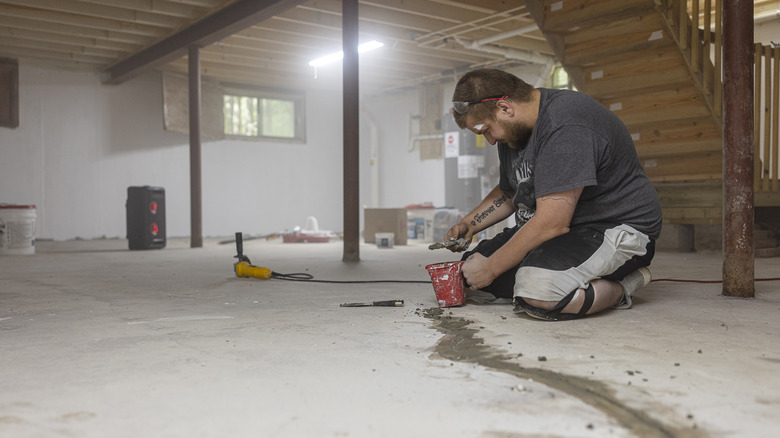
(448,283)
(385,240)
(17,229)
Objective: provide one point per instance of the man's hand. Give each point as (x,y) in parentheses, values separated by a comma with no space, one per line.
(458,231)
(476,271)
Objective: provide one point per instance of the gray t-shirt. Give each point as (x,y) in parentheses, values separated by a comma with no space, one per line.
(577,142)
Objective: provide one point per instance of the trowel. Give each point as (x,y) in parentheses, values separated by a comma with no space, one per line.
(457,245)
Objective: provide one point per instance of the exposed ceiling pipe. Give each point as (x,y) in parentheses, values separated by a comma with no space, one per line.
(509,53)
(507,34)
(766,16)
(480,23)
(483,45)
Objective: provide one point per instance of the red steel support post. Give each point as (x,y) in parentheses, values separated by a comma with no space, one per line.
(738,255)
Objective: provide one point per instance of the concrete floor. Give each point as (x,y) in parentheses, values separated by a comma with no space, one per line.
(99,341)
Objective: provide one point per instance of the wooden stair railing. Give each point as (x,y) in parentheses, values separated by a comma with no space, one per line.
(697,28)
(657,65)
(767,114)
(699,36)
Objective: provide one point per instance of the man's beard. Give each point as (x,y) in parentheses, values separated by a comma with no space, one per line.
(516,134)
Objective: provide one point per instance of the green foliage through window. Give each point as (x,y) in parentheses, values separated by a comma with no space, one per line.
(241,115)
(253,115)
(278,118)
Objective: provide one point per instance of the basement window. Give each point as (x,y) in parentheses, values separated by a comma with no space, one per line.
(257,114)
(559,79)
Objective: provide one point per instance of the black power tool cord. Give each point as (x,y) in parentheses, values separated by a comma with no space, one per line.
(302,276)
(310,278)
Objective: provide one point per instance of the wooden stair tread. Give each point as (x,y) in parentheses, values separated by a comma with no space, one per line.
(692,215)
(564,15)
(690,198)
(767,252)
(761,234)
(648,71)
(614,28)
(615,40)
(664,105)
(764,243)
(662,149)
(593,51)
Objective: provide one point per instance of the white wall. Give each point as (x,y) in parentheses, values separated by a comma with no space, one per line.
(80,144)
(767,32)
(403,178)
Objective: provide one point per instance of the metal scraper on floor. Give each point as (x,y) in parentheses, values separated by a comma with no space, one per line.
(388,303)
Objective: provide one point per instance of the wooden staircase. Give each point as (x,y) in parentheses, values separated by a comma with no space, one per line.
(642,60)
(766,243)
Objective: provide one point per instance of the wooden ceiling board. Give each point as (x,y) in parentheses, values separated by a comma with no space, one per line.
(56,58)
(162,7)
(50,34)
(419,36)
(83,8)
(50,16)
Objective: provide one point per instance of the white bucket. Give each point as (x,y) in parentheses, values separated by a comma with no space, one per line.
(17,229)
(385,240)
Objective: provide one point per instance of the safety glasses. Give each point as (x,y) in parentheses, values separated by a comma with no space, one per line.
(463,107)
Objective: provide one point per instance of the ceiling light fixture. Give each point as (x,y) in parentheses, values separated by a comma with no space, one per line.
(365,47)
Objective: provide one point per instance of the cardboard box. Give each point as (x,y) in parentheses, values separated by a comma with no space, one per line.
(385,220)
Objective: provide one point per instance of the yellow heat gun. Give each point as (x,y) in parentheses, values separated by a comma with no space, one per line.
(244,268)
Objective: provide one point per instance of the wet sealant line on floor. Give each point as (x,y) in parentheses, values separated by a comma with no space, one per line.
(461,343)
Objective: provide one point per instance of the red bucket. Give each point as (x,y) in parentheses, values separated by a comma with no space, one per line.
(447,283)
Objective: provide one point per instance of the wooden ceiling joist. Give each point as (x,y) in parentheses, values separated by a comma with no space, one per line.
(225,22)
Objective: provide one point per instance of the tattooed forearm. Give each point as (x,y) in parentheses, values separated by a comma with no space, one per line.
(500,201)
(479,217)
(497,203)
